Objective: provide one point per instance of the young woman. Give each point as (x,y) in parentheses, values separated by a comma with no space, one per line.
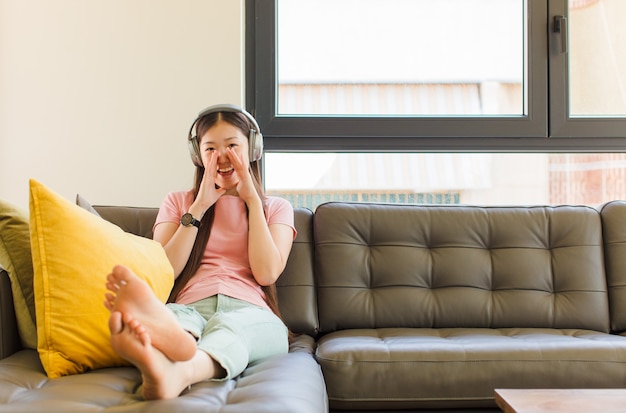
(228,243)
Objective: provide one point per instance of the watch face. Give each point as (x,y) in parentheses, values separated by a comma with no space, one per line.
(186,219)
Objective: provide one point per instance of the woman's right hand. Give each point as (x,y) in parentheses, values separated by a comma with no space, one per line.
(208,194)
(178,240)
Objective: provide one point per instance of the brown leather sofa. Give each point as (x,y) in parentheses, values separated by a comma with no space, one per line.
(402,307)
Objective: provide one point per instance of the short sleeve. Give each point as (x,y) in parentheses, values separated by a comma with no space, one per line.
(173,207)
(279,211)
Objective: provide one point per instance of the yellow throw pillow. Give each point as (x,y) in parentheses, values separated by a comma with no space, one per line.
(73,251)
(16,259)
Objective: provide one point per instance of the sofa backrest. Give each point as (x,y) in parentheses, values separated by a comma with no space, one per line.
(614,233)
(432,266)
(136,220)
(296,288)
(297,296)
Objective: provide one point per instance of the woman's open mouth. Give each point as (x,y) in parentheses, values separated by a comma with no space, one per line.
(226,171)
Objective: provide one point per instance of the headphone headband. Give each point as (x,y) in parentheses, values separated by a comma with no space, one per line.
(255,138)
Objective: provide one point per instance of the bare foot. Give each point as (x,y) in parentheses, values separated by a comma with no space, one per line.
(162,378)
(129,294)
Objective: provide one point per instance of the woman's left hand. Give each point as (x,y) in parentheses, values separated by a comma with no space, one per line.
(245,187)
(268,245)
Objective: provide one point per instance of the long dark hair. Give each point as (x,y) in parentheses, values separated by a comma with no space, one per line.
(193,263)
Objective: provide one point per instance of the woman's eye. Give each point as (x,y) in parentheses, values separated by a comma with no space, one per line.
(210,149)
(232,145)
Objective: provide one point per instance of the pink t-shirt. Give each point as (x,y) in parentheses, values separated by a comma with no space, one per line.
(225,268)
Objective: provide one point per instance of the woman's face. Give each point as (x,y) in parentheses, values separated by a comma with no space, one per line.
(218,139)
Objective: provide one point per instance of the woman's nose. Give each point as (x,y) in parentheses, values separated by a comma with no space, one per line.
(221,153)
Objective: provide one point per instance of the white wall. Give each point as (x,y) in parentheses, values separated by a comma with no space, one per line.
(97,96)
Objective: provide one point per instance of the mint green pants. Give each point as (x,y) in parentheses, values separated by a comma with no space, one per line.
(233,332)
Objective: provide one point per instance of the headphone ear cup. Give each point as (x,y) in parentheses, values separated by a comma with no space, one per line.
(194,151)
(255,140)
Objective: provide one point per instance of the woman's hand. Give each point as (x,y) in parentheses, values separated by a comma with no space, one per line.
(178,240)
(245,187)
(208,194)
(268,248)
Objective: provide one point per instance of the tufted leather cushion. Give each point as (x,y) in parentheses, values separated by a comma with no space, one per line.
(283,384)
(614,230)
(411,368)
(454,266)
(296,286)
(136,220)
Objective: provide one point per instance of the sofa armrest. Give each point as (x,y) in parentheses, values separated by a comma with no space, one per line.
(9,336)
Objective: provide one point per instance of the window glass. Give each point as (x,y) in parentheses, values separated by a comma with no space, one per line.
(308,180)
(597,58)
(401,57)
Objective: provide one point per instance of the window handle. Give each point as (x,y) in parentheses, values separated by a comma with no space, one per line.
(560,27)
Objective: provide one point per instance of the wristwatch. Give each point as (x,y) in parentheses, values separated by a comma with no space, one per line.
(188,220)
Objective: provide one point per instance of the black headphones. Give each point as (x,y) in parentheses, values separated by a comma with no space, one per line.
(255,138)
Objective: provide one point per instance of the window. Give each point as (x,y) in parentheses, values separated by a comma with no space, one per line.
(401,67)
(588,69)
(526,96)
(570,61)
(309,179)
(361,64)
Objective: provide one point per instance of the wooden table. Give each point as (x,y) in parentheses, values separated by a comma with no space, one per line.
(561,400)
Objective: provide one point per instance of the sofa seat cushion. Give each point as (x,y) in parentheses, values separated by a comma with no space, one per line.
(448,367)
(282,384)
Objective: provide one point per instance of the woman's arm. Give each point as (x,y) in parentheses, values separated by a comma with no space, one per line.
(268,245)
(177,240)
